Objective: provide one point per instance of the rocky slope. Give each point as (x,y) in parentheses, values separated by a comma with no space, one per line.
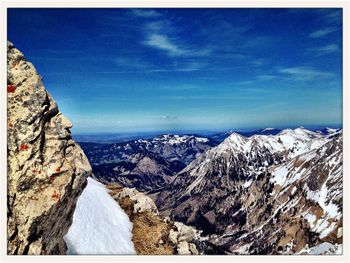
(154,234)
(47,170)
(263,194)
(144,170)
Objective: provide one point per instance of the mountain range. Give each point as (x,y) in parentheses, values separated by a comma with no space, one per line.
(147,164)
(268,191)
(264,194)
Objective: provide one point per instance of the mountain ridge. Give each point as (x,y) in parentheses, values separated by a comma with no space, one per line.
(220,183)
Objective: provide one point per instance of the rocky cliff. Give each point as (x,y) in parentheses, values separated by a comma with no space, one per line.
(47,170)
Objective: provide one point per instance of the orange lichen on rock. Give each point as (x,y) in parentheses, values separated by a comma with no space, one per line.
(10,125)
(23,147)
(15,64)
(11,88)
(55,196)
(58,169)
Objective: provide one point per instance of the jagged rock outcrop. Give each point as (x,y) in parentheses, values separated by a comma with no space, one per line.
(141,201)
(153,234)
(47,170)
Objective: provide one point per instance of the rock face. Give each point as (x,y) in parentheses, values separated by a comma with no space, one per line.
(47,170)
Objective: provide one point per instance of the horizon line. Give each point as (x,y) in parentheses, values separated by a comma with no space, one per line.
(194,131)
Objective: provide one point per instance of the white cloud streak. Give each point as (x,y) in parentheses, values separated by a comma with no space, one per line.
(324,50)
(304,73)
(265,77)
(166,117)
(145,13)
(322,32)
(162,42)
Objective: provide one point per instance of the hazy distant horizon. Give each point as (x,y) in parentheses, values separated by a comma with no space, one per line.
(123,70)
(203,131)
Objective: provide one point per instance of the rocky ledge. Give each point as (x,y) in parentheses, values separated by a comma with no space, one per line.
(152,233)
(47,170)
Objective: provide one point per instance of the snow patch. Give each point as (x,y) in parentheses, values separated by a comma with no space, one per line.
(324,248)
(280,175)
(311,218)
(331,130)
(100,226)
(268,129)
(247,184)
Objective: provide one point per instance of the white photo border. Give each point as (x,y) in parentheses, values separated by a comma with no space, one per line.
(5,4)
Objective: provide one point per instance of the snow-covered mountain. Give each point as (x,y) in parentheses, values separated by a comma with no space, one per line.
(291,142)
(184,148)
(329,131)
(220,137)
(263,194)
(147,164)
(275,193)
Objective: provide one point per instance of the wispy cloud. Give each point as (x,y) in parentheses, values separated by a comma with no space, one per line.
(155,25)
(146,13)
(265,77)
(245,82)
(167,117)
(304,73)
(162,42)
(333,17)
(259,42)
(191,65)
(258,62)
(322,32)
(162,34)
(331,48)
(135,63)
(159,26)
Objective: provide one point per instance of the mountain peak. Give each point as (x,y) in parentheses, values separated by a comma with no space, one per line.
(235,140)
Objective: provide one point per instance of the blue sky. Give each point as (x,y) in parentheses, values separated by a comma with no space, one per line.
(135,70)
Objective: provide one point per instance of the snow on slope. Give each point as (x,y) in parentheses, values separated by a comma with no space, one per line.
(178,139)
(99,225)
(294,142)
(268,129)
(324,248)
(290,142)
(320,172)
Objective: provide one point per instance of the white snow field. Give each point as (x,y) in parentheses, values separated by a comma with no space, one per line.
(324,248)
(100,226)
